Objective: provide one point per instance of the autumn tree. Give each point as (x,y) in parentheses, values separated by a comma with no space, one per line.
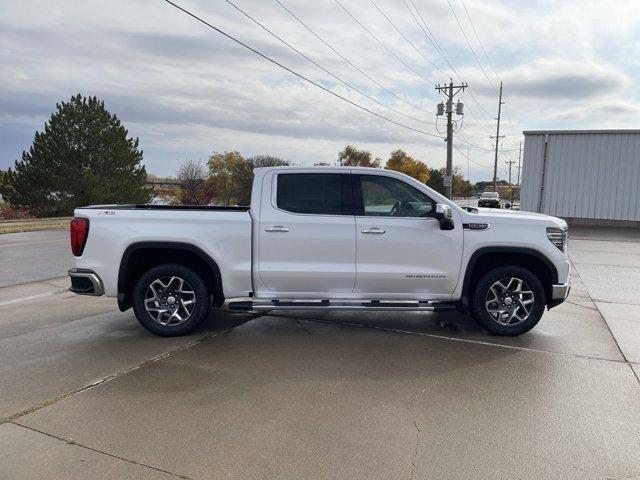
(460,186)
(245,182)
(268,161)
(400,161)
(225,170)
(84,156)
(352,157)
(195,190)
(231,175)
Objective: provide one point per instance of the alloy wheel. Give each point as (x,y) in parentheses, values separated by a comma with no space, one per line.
(509,301)
(170,300)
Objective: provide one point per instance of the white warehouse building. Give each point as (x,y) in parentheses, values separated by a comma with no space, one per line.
(587,177)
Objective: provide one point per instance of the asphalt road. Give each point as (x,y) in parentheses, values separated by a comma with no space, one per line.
(32,256)
(87,393)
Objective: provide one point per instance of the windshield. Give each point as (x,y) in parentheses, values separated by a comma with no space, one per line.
(489,195)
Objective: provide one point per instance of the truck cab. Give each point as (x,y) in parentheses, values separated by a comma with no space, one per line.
(325,238)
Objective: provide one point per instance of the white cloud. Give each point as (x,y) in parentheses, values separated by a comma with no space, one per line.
(187,91)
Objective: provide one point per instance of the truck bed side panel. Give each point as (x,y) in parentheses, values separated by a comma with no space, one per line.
(223,235)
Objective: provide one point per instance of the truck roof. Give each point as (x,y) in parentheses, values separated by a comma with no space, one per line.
(321,167)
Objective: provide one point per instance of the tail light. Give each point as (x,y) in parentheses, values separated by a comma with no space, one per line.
(78,230)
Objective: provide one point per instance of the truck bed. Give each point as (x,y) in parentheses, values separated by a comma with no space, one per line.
(222,233)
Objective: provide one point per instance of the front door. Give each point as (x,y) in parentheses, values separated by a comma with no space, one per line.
(306,235)
(401,250)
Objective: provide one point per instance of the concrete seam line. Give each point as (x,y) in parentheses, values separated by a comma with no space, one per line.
(594,300)
(583,306)
(3,245)
(118,374)
(106,379)
(32,282)
(615,340)
(86,447)
(635,374)
(463,340)
(33,297)
(606,265)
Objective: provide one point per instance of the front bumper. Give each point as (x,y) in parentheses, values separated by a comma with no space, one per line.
(489,204)
(85,282)
(559,293)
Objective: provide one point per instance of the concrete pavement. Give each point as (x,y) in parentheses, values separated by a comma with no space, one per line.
(609,264)
(90,394)
(32,256)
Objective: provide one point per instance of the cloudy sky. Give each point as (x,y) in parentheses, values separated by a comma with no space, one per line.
(187,91)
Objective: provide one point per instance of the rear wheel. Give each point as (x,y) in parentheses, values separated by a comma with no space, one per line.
(508,301)
(170,300)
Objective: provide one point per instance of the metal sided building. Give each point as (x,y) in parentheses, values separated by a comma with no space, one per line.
(584,176)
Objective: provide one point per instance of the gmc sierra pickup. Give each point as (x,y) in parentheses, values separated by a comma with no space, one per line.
(323,238)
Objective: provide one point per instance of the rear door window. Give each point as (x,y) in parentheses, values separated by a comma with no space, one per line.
(315,193)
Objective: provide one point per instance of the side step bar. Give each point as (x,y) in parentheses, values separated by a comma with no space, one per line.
(393,305)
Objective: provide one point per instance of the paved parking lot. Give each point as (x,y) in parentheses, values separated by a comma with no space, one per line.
(87,393)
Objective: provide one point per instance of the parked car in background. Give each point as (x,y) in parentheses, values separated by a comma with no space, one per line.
(322,239)
(489,199)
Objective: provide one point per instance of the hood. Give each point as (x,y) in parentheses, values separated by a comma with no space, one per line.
(514,216)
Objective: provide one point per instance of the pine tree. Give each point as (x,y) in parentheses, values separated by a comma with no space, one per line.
(83,157)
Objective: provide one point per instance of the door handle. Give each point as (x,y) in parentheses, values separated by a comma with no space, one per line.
(374,230)
(277,228)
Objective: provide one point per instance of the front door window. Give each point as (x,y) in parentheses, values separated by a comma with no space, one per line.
(390,197)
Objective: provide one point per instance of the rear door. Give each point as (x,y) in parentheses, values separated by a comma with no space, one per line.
(401,250)
(306,235)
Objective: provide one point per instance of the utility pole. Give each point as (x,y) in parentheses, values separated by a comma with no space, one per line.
(450,91)
(519,158)
(510,162)
(468,179)
(498,137)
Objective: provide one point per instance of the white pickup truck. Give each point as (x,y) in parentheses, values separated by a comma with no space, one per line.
(323,238)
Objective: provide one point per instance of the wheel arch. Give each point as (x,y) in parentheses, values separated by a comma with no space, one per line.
(489,257)
(141,256)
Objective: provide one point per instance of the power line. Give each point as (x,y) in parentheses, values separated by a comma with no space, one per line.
(484,51)
(477,147)
(430,36)
(406,39)
(485,149)
(347,60)
(434,41)
(475,32)
(381,43)
(469,45)
(469,158)
(339,79)
(293,72)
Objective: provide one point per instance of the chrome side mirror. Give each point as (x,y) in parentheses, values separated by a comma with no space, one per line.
(444,215)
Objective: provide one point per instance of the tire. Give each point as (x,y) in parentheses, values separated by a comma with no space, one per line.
(492,306)
(181,302)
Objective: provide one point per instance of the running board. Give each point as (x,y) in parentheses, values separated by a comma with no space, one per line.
(393,305)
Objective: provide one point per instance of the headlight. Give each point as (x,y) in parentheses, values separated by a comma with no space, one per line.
(557,236)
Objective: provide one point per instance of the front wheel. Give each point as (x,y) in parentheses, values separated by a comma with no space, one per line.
(508,301)
(170,300)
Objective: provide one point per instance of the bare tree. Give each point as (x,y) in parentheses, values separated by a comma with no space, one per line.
(192,174)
